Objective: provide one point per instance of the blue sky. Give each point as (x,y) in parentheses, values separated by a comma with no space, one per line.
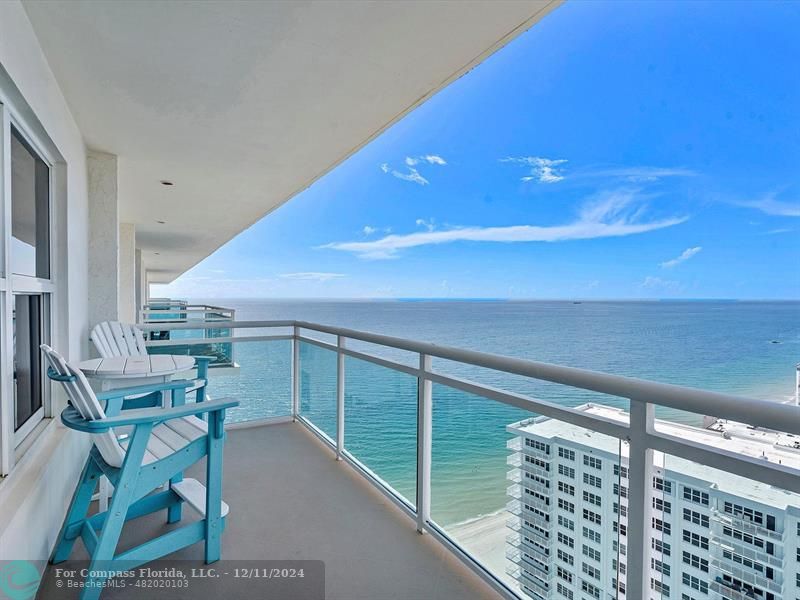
(615,150)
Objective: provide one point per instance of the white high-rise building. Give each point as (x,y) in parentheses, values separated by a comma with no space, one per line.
(713,534)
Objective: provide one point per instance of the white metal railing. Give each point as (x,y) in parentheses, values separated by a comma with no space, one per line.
(639,432)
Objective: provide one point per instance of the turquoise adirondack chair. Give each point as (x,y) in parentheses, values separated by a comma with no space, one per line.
(162,443)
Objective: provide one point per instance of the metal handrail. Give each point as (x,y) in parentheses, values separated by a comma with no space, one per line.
(762,413)
(639,432)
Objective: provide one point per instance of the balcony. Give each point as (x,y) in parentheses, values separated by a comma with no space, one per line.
(160,312)
(312,392)
(364,540)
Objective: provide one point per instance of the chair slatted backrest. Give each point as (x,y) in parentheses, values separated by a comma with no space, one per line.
(85,402)
(112,338)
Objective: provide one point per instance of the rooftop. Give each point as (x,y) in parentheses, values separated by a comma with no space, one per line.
(738,438)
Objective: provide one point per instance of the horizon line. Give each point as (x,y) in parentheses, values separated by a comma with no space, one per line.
(489,299)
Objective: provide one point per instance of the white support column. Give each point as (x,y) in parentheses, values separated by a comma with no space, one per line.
(127,273)
(140,285)
(295,374)
(424,419)
(640,492)
(340,344)
(103,238)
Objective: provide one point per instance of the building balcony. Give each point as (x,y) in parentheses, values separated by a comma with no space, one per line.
(291,499)
(311,393)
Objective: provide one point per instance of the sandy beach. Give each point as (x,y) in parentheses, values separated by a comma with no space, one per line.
(485,539)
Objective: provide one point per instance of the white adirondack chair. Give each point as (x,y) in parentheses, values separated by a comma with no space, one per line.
(113,338)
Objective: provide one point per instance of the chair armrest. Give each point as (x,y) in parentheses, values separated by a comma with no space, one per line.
(145,389)
(72,419)
(206,359)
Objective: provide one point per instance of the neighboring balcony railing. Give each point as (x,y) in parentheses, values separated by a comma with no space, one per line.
(163,312)
(415,419)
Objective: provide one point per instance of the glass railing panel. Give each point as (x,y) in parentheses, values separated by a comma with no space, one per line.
(223,353)
(536,501)
(556,393)
(381,424)
(317,402)
(261,380)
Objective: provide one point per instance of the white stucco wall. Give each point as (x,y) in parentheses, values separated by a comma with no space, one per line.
(104,233)
(126,300)
(34,497)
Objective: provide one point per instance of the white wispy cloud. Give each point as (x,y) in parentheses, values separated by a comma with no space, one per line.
(312,276)
(779,230)
(368,230)
(684,256)
(641,174)
(543,170)
(611,214)
(657,284)
(430,225)
(412,173)
(770,205)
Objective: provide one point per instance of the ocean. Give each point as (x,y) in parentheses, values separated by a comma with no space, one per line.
(743,348)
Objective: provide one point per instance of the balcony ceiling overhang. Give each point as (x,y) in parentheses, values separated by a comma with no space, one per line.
(243,105)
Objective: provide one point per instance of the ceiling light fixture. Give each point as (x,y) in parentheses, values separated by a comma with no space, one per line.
(161,222)
(165,182)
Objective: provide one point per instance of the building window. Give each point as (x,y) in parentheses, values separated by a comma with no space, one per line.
(659,566)
(695,583)
(695,539)
(591,534)
(590,589)
(659,587)
(592,480)
(27,287)
(27,358)
(566,471)
(592,498)
(662,526)
(695,561)
(30,210)
(591,461)
(592,517)
(564,574)
(566,488)
(662,505)
(695,517)
(693,495)
(590,571)
(537,445)
(565,556)
(660,546)
(591,552)
(566,523)
(662,485)
(566,453)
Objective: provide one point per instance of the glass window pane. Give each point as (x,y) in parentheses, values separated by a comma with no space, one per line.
(30,210)
(27,358)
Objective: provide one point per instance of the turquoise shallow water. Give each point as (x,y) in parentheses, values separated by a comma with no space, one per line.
(723,346)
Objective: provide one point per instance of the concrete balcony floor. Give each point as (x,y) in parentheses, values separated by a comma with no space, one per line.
(291,500)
